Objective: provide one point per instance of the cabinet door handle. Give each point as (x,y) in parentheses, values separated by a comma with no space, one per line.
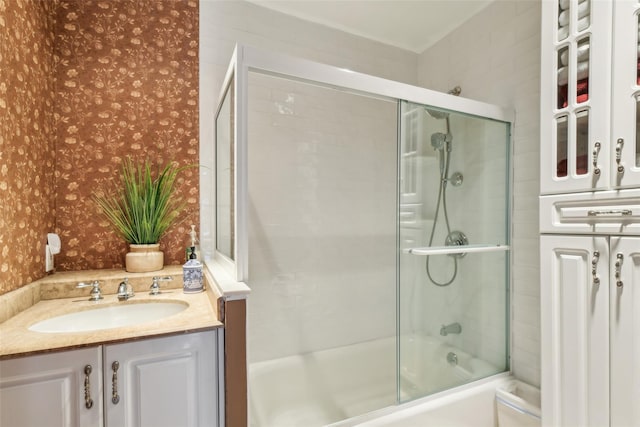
(596,151)
(619,145)
(88,401)
(622,212)
(115,398)
(618,273)
(594,267)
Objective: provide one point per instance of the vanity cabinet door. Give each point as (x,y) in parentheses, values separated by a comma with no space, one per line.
(51,390)
(162,382)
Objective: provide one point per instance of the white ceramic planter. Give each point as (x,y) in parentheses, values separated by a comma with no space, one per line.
(144,258)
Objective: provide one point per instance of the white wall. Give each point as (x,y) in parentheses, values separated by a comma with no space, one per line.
(495,58)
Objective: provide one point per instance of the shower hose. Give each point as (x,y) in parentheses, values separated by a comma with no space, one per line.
(445,158)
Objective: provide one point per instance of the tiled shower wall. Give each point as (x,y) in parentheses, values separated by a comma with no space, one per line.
(225,23)
(322,195)
(495,58)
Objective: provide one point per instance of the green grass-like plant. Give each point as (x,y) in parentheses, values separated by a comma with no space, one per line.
(144,207)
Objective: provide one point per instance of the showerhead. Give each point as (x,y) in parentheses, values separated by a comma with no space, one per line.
(437,114)
(439,140)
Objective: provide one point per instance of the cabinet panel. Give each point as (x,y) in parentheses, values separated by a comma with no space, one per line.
(575,310)
(626,93)
(575,96)
(590,95)
(162,382)
(625,332)
(49,390)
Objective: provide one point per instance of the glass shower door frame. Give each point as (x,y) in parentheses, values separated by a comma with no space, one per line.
(246,59)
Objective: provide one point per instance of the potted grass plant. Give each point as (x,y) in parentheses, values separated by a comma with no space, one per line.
(141,210)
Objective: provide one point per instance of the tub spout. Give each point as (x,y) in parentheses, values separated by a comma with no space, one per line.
(453,328)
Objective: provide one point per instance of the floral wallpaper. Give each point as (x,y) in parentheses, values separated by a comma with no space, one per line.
(27,136)
(127,85)
(83,84)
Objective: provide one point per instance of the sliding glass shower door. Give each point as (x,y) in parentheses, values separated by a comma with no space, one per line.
(454,249)
(322,271)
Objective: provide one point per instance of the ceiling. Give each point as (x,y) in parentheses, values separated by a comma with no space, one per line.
(413,25)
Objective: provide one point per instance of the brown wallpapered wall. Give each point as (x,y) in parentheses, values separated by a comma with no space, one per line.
(126,84)
(27,135)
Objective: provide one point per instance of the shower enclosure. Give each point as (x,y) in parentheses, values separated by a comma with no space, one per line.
(370,220)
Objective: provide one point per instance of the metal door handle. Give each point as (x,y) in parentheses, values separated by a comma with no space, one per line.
(622,212)
(596,151)
(594,267)
(619,145)
(88,401)
(115,398)
(618,273)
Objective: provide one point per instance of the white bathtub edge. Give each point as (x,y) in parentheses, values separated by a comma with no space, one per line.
(393,414)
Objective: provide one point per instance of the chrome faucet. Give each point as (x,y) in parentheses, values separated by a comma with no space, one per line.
(125,290)
(155,286)
(96,292)
(453,328)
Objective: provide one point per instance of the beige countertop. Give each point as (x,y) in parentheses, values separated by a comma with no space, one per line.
(17,340)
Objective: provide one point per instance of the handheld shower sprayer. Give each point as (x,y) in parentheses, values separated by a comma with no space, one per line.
(441,141)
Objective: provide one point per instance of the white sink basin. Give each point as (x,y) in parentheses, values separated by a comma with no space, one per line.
(114,316)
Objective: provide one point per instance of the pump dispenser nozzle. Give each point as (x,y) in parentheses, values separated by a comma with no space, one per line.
(193,235)
(193,249)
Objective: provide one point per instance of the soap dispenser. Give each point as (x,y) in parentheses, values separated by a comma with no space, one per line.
(192,269)
(192,277)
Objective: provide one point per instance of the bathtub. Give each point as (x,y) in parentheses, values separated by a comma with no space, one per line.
(348,386)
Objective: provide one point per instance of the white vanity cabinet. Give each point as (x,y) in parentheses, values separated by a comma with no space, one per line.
(55,389)
(590,293)
(590,91)
(171,381)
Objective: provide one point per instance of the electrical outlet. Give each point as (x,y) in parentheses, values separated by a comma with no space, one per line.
(48,259)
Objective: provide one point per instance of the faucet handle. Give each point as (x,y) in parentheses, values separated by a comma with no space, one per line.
(96,292)
(155,286)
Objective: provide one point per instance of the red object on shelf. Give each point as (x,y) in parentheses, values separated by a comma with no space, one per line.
(582,90)
(562,96)
(582,93)
(582,166)
(582,98)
